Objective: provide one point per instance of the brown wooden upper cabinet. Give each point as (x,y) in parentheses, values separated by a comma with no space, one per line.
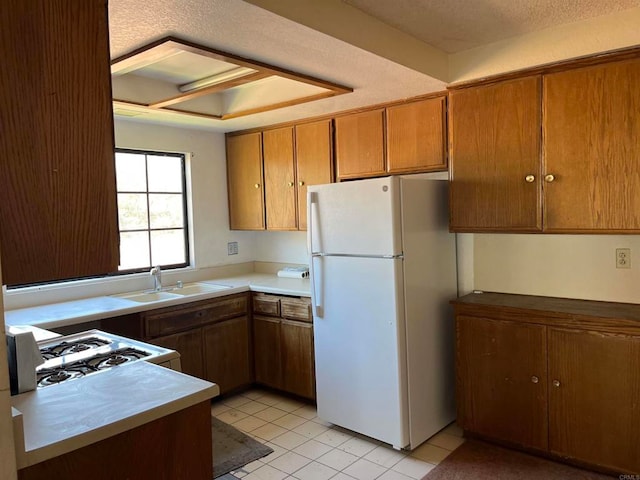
(416,136)
(279,179)
(592,148)
(495,156)
(58,213)
(314,161)
(290,169)
(572,168)
(294,158)
(244,180)
(359,141)
(404,138)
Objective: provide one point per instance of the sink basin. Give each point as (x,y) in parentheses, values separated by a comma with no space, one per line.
(149,297)
(196,288)
(173,292)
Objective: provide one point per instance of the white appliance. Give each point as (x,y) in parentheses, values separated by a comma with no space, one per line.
(383,269)
(86,353)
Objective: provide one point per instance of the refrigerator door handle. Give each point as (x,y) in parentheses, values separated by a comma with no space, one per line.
(356,255)
(316,304)
(316,307)
(312,199)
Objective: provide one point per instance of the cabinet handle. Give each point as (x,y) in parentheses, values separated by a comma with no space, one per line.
(529,178)
(535,379)
(556,383)
(301,183)
(290,184)
(256,185)
(549,178)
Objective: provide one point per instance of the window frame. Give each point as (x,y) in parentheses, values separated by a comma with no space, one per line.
(185,208)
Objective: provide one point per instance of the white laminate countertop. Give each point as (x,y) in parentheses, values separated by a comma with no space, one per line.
(96,308)
(62,418)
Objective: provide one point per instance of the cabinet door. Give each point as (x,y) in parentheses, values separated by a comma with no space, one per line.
(298,368)
(495,157)
(227,357)
(314,161)
(591,132)
(244,181)
(58,216)
(266,351)
(502,380)
(360,145)
(594,389)
(416,136)
(189,345)
(279,179)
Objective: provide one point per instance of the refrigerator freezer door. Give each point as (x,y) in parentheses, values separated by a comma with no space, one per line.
(360,347)
(360,217)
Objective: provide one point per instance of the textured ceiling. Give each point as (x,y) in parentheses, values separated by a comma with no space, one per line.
(456,25)
(243,29)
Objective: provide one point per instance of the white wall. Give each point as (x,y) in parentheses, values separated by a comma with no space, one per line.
(206,163)
(593,35)
(571,266)
(281,247)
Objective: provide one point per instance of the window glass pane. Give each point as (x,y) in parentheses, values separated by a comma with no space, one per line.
(130,172)
(168,247)
(134,250)
(132,211)
(165,174)
(166,211)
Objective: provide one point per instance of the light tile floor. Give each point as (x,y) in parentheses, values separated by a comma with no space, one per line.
(307,448)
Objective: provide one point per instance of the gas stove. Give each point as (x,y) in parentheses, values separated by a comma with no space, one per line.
(76,356)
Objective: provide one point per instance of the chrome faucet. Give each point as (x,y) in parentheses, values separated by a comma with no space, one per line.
(156,273)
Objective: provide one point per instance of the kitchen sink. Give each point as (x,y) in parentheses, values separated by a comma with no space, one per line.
(197,288)
(173,292)
(148,297)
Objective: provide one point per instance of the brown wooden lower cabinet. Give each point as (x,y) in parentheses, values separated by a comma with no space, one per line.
(226,353)
(218,340)
(175,447)
(502,375)
(267,353)
(212,337)
(283,344)
(557,376)
(298,367)
(189,344)
(594,397)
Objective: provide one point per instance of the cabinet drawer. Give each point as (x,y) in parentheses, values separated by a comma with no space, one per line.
(230,307)
(192,315)
(266,305)
(296,308)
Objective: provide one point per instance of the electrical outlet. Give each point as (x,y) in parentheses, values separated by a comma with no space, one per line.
(232,248)
(623,258)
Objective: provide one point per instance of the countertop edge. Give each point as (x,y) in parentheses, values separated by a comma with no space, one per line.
(26,458)
(245,283)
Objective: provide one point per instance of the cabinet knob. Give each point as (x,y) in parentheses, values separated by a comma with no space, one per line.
(290,184)
(529,178)
(556,383)
(535,379)
(301,183)
(549,178)
(256,185)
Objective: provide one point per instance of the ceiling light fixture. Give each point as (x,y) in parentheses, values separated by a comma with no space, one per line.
(216,79)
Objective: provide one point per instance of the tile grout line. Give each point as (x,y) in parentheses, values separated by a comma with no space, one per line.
(294,406)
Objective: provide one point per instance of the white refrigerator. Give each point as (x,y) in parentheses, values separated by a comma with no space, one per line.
(383,270)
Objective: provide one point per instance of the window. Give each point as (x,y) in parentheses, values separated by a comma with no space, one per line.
(152,210)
